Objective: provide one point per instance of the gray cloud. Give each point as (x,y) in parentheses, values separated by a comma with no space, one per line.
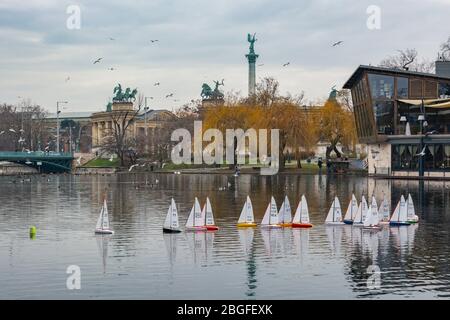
(199,41)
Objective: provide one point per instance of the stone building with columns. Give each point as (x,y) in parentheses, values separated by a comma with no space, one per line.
(146,124)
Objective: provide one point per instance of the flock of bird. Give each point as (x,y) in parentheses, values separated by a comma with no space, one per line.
(170,95)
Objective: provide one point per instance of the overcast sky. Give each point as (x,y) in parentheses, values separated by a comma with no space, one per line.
(199,41)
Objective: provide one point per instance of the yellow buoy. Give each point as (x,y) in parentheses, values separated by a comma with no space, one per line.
(32,232)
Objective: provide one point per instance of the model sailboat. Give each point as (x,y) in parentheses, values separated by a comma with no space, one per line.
(301,217)
(400,215)
(102,226)
(351,210)
(411,211)
(361,214)
(270,219)
(196,219)
(171,224)
(372,221)
(247,219)
(335,213)
(209,217)
(285,214)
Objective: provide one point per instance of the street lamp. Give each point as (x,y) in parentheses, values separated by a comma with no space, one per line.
(423,123)
(57,123)
(403,120)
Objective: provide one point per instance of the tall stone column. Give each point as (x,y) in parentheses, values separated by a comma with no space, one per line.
(251,57)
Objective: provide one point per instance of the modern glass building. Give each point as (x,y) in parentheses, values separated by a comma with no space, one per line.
(404,117)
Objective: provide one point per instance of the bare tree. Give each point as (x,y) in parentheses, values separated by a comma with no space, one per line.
(120,138)
(22,127)
(407,60)
(445,50)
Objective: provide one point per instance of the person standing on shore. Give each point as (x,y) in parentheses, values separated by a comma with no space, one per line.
(319,163)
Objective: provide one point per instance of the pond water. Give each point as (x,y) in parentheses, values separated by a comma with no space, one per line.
(139,261)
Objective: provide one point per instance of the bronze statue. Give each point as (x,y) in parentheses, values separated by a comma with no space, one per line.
(252,40)
(127,96)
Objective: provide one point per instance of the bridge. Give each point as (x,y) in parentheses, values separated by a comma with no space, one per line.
(44,162)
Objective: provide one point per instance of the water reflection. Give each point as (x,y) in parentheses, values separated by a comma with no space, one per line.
(256,263)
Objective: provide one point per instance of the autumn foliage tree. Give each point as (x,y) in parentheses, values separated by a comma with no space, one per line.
(337,126)
(267,109)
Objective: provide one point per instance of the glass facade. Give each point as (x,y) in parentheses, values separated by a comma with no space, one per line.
(402,87)
(381,86)
(404,157)
(384,116)
(444,90)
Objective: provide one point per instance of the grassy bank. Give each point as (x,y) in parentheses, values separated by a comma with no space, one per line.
(101,163)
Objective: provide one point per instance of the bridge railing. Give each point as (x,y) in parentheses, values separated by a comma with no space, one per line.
(34,154)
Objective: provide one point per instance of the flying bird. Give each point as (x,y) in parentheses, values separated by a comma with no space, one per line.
(422,153)
(260,65)
(153,41)
(156,84)
(67,79)
(131,168)
(21,140)
(2,132)
(112,39)
(286,64)
(79,161)
(337,43)
(111,69)
(12,130)
(98,60)
(21,130)
(169,95)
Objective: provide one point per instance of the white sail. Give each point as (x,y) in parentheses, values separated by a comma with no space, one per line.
(98,226)
(358,215)
(335,212)
(396,214)
(364,209)
(273,212)
(285,214)
(372,215)
(171,221)
(105,218)
(351,209)
(403,213)
(304,215)
(247,212)
(374,206)
(302,212)
(384,211)
(209,217)
(190,220)
(411,212)
(199,217)
(266,218)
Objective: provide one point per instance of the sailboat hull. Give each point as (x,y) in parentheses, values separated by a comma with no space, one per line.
(335,223)
(104,231)
(246,225)
(212,228)
(348,221)
(399,223)
(270,226)
(167,230)
(196,229)
(302,225)
(286,225)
